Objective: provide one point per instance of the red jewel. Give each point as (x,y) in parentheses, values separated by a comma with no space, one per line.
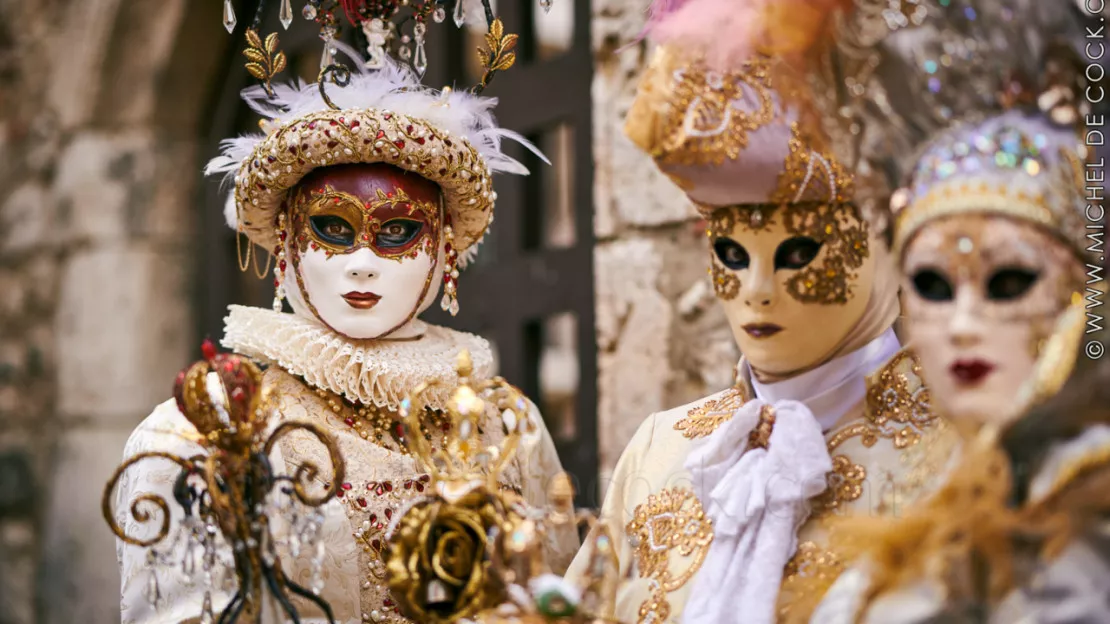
(345,486)
(340,493)
(277,283)
(237,394)
(387,602)
(282,235)
(419,487)
(399,143)
(292,149)
(381,133)
(350,422)
(380,489)
(208,349)
(447,246)
(229,366)
(312,125)
(387,117)
(282,265)
(420,140)
(388,488)
(362,502)
(261,186)
(355,124)
(373,518)
(376,544)
(388,513)
(270,159)
(333,143)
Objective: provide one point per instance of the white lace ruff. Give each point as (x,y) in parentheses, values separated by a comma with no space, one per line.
(371,372)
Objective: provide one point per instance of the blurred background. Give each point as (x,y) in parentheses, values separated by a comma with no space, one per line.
(115,262)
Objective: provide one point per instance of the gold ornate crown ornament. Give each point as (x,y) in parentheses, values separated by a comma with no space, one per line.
(231,494)
(471,549)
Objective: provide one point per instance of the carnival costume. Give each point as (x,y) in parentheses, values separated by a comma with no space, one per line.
(371,192)
(980,105)
(720,508)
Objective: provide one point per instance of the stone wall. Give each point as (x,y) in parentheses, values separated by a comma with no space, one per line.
(99,159)
(662,339)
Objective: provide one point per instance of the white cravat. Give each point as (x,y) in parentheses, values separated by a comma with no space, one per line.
(759,498)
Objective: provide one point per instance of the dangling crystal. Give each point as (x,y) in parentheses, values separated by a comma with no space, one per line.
(153,592)
(460,13)
(326,57)
(309,11)
(405,52)
(420,63)
(317,583)
(206,614)
(454,309)
(439,14)
(445,302)
(546,4)
(229,16)
(285,14)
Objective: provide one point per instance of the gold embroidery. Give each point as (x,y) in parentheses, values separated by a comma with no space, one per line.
(703,419)
(898,404)
(845,485)
(711,114)
(671,520)
(810,174)
(808,575)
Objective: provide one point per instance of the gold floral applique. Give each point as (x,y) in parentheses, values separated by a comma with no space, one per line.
(704,418)
(845,485)
(898,402)
(806,578)
(671,521)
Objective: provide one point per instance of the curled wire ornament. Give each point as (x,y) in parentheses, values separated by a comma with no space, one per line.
(308,472)
(340,76)
(140,514)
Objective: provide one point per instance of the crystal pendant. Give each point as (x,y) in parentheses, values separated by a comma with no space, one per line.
(405,52)
(439,15)
(309,11)
(229,16)
(420,63)
(546,5)
(454,308)
(285,14)
(460,13)
(153,592)
(206,614)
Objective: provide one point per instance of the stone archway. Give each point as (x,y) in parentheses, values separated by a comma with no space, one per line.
(103,112)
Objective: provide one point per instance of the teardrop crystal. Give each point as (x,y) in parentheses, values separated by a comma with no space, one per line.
(460,13)
(229,16)
(285,14)
(308,12)
(546,4)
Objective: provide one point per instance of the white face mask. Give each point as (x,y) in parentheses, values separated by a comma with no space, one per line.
(366,249)
(792,284)
(981,293)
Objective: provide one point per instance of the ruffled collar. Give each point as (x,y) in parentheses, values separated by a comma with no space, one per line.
(372,372)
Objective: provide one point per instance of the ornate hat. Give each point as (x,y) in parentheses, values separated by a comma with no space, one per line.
(724,107)
(971,106)
(378,112)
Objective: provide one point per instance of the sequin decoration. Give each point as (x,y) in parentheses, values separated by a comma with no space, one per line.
(725,283)
(670,522)
(844,237)
(845,485)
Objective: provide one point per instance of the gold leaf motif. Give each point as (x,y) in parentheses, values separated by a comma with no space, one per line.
(254,55)
(271,43)
(279,62)
(252,39)
(257,70)
(497,56)
(506,62)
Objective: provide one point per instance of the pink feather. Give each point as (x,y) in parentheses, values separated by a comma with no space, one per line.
(730,32)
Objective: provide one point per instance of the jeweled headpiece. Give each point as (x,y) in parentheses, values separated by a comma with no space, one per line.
(970,106)
(377,112)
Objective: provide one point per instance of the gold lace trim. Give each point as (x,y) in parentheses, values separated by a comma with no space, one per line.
(672,519)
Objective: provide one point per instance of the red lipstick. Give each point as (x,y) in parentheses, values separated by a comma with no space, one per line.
(971,372)
(762,330)
(362,300)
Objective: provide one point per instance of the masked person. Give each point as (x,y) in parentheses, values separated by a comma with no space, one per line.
(991,237)
(719,509)
(371,195)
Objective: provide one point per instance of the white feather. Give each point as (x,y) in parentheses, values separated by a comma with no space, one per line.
(394,87)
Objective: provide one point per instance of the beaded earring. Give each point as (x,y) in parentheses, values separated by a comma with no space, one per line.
(450,300)
(279,268)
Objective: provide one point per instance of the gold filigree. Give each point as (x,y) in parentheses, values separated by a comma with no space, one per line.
(725,283)
(811,174)
(898,403)
(671,521)
(264,60)
(688,115)
(703,419)
(760,437)
(839,227)
(845,485)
